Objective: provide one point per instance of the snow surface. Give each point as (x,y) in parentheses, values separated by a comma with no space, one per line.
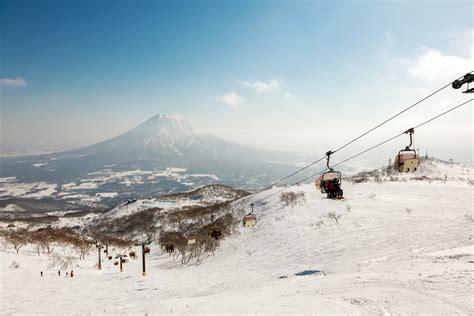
(399,247)
(27,190)
(107,194)
(86,189)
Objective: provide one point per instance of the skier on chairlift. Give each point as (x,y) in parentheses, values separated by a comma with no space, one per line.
(330,189)
(337,190)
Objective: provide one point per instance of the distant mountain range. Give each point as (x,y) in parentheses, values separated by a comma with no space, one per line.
(161,155)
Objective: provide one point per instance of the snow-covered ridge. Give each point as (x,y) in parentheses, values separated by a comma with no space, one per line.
(204,196)
(429,168)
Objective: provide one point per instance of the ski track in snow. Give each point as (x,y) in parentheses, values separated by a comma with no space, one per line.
(399,247)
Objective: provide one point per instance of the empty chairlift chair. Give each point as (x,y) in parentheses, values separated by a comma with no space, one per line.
(250,220)
(407,159)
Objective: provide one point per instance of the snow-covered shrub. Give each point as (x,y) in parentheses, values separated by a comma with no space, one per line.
(334,216)
(359,179)
(14,265)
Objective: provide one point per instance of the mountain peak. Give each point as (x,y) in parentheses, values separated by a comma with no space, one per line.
(167,128)
(164,117)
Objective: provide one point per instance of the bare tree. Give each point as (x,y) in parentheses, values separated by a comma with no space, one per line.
(44,239)
(18,238)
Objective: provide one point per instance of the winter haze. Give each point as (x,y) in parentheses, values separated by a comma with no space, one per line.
(240,157)
(96,79)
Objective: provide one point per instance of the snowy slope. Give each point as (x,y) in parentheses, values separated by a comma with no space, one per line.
(399,247)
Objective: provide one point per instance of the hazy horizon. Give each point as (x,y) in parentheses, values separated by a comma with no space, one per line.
(305,77)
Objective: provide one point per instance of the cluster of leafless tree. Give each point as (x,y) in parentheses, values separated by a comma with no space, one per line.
(292,198)
(191,232)
(45,240)
(197,239)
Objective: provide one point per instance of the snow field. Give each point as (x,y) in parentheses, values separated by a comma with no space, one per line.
(399,247)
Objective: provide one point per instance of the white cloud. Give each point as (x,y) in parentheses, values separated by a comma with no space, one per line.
(288,95)
(9,82)
(232,99)
(263,87)
(435,66)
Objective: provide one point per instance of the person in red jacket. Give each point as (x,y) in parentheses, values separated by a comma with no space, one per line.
(330,190)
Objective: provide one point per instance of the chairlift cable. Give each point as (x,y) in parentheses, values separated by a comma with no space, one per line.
(398,114)
(362,152)
(359,137)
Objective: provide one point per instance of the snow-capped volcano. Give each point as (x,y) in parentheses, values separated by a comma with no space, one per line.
(160,136)
(162,142)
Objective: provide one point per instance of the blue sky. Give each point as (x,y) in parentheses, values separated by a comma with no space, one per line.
(272,74)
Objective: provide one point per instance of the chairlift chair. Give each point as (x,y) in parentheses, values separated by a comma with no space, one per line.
(407,159)
(327,176)
(250,219)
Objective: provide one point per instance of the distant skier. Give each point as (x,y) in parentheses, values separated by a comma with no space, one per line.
(72,273)
(59,272)
(41,273)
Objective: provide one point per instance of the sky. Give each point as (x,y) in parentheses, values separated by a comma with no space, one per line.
(293,75)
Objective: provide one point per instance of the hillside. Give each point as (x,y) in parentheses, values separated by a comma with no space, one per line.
(398,247)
